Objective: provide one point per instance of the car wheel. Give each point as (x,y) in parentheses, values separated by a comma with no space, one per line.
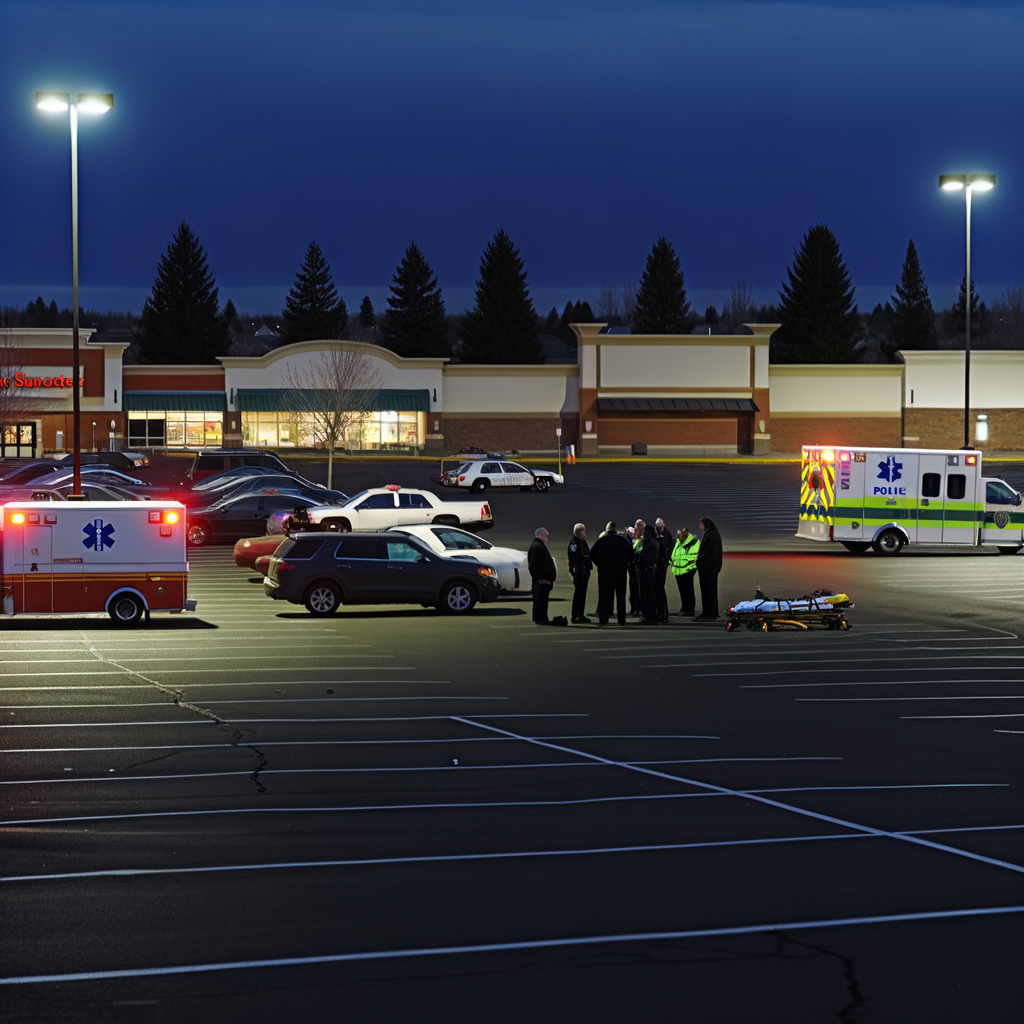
(337,525)
(322,599)
(446,520)
(542,483)
(889,543)
(858,547)
(480,486)
(457,599)
(198,533)
(125,609)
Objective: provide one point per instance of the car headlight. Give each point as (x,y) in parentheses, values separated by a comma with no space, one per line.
(486,570)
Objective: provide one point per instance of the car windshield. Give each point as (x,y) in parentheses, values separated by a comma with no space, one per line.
(459,540)
(355,498)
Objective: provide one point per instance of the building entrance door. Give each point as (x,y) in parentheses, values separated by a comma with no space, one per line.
(18,441)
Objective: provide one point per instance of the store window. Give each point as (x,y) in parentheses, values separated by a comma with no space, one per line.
(175,429)
(370,431)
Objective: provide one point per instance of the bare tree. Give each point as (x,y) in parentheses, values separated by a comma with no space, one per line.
(1007,317)
(13,401)
(740,308)
(335,389)
(616,303)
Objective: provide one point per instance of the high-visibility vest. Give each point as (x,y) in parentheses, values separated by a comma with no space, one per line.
(684,556)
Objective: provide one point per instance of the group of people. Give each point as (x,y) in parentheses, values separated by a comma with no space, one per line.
(638,561)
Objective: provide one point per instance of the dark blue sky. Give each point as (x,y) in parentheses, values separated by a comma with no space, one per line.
(585,129)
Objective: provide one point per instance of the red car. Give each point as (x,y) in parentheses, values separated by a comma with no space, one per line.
(248,549)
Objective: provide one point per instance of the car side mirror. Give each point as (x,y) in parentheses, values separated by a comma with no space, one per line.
(1017,499)
(422,558)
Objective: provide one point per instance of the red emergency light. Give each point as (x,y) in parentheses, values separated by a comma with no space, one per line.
(971,460)
(18,518)
(393,487)
(844,456)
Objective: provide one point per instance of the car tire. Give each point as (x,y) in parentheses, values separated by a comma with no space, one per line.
(446,520)
(322,599)
(858,547)
(198,533)
(889,543)
(337,525)
(542,483)
(457,599)
(126,609)
(479,486)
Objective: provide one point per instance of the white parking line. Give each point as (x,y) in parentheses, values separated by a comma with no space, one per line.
(846,700)
(502,947)
(249,700)
(909,717)
(869,682)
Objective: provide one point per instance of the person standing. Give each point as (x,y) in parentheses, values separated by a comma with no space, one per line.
(684,566)
(665,553)
(613,555)
(709,565)
(636,539)
(543,573)
(579,569)
(650,551)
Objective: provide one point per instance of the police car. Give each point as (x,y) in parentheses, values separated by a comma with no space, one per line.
(480,474)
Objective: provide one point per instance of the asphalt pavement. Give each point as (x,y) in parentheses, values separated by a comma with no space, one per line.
(247,813)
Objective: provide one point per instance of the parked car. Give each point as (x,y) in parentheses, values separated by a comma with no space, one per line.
(324,572)
(26,492)
(380,508)
(23,472)
(95,475)
(215,460)
(242,516)
(115,460)
(104,492)
(451,542)
(480,475)
(223,479)
(268,483)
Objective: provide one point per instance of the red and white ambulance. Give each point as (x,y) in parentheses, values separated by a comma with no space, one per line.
(126,558)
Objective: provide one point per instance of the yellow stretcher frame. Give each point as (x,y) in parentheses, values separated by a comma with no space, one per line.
(829,616)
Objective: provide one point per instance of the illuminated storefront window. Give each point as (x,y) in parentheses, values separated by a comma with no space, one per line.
(371,430)
(154,422)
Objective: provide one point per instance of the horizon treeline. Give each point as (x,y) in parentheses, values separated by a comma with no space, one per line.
(183,321)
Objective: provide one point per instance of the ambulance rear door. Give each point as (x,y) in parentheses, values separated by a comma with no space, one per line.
(36,566)
(931,482)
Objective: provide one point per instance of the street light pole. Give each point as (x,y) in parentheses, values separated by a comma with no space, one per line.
(969,183)
(90,103)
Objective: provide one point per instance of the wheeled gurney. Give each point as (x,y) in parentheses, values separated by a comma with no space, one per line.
(823,607)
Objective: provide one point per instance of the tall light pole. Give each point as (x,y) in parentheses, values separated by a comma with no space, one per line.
(86,103)
(969,183)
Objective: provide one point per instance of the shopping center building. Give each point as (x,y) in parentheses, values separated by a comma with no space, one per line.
(677,394)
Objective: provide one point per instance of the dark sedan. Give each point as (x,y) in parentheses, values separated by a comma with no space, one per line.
(234,518)
(125,461)
(325,572)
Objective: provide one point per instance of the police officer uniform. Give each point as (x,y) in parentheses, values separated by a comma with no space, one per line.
(580,568)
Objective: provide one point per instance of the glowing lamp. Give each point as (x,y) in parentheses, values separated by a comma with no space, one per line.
(828,456)
(170,517)
(393,487)
(18,518)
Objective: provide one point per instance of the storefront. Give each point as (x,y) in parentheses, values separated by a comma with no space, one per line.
(174,419)
(281,418)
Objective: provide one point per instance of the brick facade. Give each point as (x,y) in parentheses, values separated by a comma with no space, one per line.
(789,433)
(944,428)
(682,429)
(507,433)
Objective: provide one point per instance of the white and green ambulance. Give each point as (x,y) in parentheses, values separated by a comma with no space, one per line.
(884,498)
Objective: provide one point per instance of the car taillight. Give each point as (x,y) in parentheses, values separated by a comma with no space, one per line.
(485,510)
(283,566)
(462,479)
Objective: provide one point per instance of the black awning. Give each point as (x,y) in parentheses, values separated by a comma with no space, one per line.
(676,405)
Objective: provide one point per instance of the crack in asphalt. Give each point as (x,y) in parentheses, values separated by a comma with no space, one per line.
(846,1014)
(235,734)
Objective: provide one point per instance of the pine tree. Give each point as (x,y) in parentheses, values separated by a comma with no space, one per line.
(415,323)
(913,324)
(959,310)
(711,316)
(661,304)
(180,322)
(313,309)
(367,317)
(820,323)
(231,319)
(502,326)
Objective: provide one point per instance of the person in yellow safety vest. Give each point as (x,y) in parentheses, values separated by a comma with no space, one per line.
(683,563)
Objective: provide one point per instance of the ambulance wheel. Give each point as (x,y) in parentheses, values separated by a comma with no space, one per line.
(889,543)
(858,547)
(198,533)
(1005,550)
(125,609)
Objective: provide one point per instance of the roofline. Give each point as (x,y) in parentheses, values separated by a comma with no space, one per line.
(378,351)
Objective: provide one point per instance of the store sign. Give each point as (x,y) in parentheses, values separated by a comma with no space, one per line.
(37,380)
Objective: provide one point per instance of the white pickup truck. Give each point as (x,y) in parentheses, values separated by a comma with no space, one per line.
(381,508)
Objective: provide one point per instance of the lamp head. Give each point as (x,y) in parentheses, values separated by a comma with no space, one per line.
(95,102)
(52,102)
(975,182)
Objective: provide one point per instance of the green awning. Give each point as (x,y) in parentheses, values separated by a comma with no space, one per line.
(288,400)
(174,401)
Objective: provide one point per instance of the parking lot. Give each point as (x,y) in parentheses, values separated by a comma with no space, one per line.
(248,812)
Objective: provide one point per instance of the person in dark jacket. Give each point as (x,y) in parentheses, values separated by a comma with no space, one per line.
(579,569)
(709,565)
(543,573)
(650,553)
(613,555)
(665,544)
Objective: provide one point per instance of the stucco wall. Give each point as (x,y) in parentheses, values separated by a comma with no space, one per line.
(664,366)
(937,380)
(836,389)
(511,390)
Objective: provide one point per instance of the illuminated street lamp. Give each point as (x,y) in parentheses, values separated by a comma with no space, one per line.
(86,103)
(969,183)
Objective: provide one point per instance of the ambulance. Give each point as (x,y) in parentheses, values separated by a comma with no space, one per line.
(125,558)
(885,498)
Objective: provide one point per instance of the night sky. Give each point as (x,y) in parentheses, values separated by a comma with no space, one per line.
(585,129)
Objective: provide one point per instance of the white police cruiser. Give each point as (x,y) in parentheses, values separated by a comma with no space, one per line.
(480,474)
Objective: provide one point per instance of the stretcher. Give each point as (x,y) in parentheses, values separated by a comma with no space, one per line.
(823,607)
